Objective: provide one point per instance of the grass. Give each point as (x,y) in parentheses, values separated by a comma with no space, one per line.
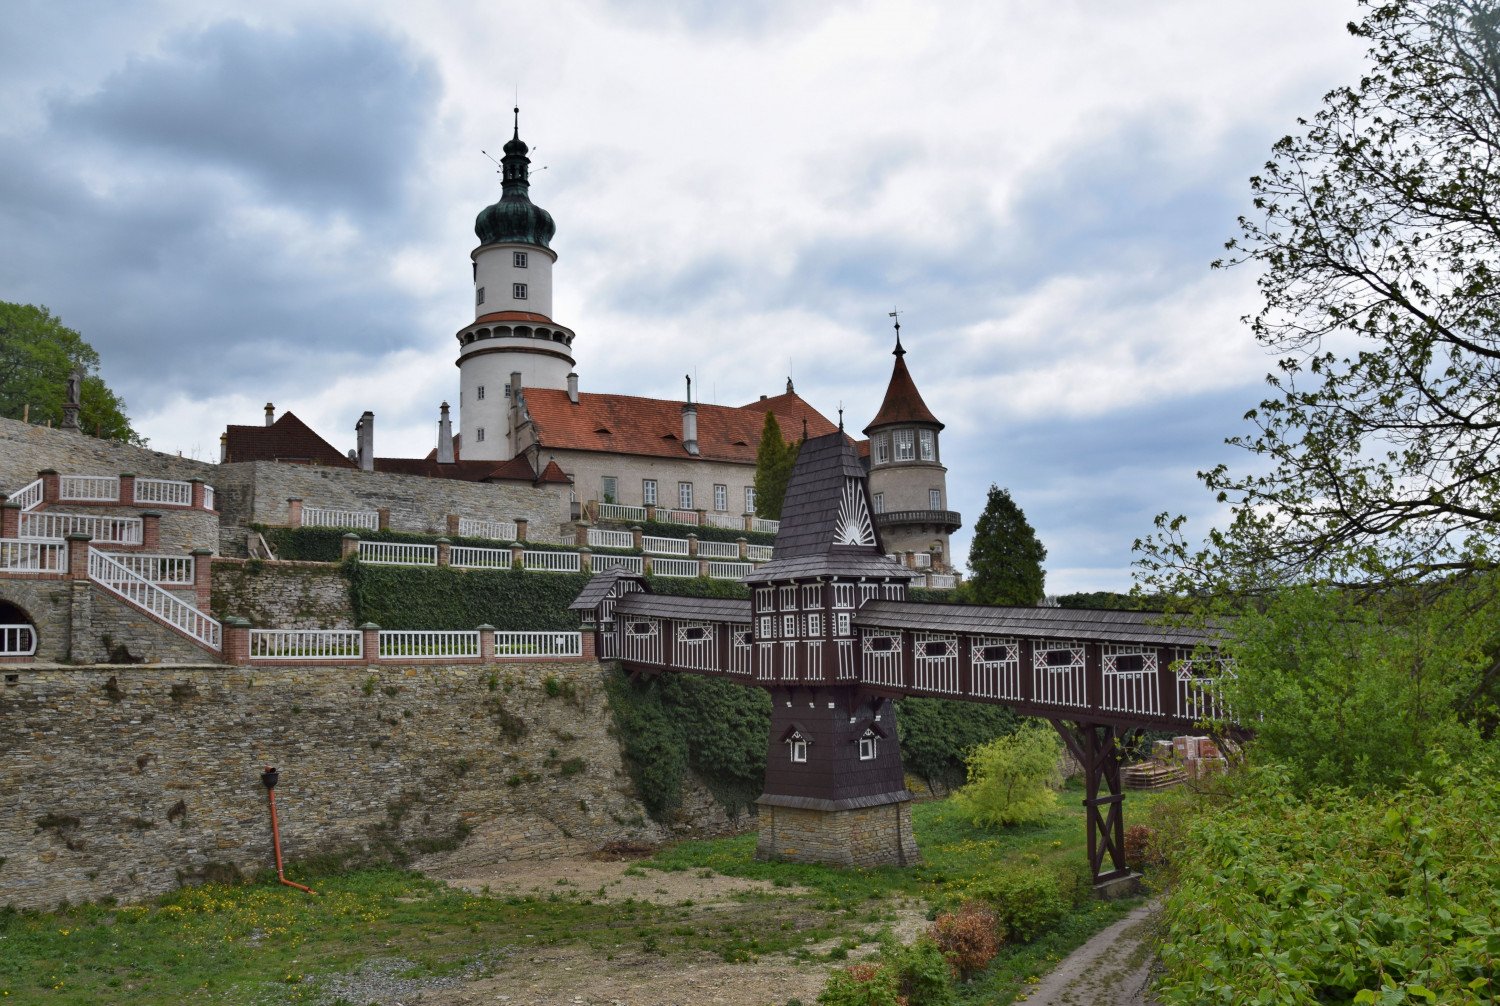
(263,943)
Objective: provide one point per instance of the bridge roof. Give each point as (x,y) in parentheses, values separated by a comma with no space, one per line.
(834,564)
(599,587)
(688,609)
(1107,626)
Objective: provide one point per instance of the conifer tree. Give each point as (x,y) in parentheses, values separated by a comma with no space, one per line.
(774,459)
(1005,558)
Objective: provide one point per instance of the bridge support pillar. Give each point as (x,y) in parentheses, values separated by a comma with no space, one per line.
(1098,748)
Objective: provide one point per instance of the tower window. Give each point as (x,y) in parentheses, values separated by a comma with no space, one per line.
(879,501)
(904,447)
(479,435)
(927,443)
(479,296)
(479,393)
(934,499)
(518,291)
(882,448)
(520,260)
(867,746)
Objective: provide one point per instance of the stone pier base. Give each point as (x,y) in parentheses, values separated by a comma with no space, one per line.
(864,836)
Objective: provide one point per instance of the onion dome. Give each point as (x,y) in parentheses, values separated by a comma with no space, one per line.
(515,218)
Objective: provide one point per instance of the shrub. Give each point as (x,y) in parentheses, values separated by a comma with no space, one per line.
(923,975)
(1027,900)
(1013,779)
(936,735)
(860,985)
(968,938)
(1141,847)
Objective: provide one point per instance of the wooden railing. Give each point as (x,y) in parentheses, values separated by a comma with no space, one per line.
(398,553)
(629,563)
(664,546)
(26,556)
(498,530)
(306,644)
(88,488)
(615,511)
(104,530)
(539,644)
(551,562)
(29,496)
(416,644)
(320,516)
(674,567)
(168,492)
(719,549)
(599,537)
(473,557)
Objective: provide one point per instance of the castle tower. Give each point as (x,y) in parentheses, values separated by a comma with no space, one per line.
(513,331)
(908,483)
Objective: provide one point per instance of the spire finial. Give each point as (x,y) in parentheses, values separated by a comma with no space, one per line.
(898,352)
(841,417)
(517,134)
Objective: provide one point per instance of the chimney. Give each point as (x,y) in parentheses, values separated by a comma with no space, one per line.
(270,413)
(365,433)
(573,388)
(223,447)
(445,437)
(515,384)
(690,422)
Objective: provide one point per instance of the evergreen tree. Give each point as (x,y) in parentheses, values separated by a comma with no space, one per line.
(774,460)
(37,353)
(1005,558)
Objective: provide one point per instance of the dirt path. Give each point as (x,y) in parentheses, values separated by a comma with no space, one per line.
(1111,969)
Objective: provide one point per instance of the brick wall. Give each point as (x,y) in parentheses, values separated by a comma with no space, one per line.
(119,781)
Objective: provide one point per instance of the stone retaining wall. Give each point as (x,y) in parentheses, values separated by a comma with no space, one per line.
(283,595)
(26,449)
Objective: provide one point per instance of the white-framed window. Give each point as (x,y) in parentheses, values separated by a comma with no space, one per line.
(721,498)
(788,626)
(519,260)
(648,492)
(479,296)
(812,595)
(479,392)
(843,595)
(879,500)
(767,627)
(934,499)
(927,445)
(814,625)
(640,628)
(868,591)
(764,597)
(609,489)
(843,622)
(518,291)
(867,746)
(788,598)
(881,447)
(905,451)
(798,748)
(479,434)
(685,495)
(749,499)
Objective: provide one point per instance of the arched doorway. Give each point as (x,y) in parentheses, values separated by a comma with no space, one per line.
(17,631)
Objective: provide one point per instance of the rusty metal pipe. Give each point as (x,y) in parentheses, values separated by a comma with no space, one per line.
(268,779)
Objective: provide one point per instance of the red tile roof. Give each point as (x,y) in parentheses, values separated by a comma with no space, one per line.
(288,439)
(516,469)
(626,424)
(903,403)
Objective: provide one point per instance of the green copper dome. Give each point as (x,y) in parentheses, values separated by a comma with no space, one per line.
(515,218)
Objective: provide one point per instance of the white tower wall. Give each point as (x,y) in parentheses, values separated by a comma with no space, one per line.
(496,272)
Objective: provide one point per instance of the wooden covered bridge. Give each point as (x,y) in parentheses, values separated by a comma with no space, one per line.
(829,632)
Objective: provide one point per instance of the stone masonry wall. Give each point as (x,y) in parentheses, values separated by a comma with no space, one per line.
(49,604)
(258,492)
(181,530)
(868,836)
(283,595)
(26,449)
(124,781)
(106,630)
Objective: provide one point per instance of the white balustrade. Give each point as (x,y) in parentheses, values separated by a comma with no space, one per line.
(428,645)
(664,546)
(551,562)
(17,640)
(629,563)
(89,488)
(678,516)
(307,644)
(538,644)
(147,596)
(719,570)
(724,520)
(923,560)
(942,581)
(397,553)
(472,557)
(29,496)
(208,498)
(167,492)
(320,516)
(24,556)
(170,569)
(674,567)
(104,530)
(766,526)
(496,530)
(759,553)
(718,550)
(616,511)
(604,538)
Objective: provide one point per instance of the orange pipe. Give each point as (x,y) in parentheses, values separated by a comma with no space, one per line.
(276,836)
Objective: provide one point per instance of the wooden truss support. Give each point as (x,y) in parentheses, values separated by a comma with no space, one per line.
(1098,748)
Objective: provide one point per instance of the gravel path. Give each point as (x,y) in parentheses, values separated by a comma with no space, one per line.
(1112,969)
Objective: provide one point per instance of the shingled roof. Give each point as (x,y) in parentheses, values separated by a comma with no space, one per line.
(1109,626)
(628,424)
(903,403)
(288,440)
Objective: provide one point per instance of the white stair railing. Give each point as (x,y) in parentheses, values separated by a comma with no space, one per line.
(148,597)
(30,496)
(22,556)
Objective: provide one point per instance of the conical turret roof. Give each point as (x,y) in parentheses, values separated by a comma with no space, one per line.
(903,402)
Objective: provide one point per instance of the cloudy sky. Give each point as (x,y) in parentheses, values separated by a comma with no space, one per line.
(275,202)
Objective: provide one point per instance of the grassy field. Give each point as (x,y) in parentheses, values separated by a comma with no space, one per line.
(263,943)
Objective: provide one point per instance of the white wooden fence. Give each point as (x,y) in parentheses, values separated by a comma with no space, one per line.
(498,530)
(551,562)
(629,563)
(20,556)
(320,516)
(473,557)
(411,644)
(674,567)
(759,553)
(729,570)
(88,488)
(307,644)
(169,569)
(718,550)
(604,538)
(169,492)
(678,516)
(397,553)
(765,526)
(664,546)
(615,511)
(539,644)
(105,530)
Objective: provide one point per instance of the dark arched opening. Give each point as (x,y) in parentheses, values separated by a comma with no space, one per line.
(17,631)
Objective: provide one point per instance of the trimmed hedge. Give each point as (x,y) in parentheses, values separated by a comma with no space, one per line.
(660,529)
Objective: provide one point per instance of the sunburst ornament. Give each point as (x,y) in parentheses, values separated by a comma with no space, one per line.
(854,526)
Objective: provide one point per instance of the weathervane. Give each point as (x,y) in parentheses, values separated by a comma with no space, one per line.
(896,313)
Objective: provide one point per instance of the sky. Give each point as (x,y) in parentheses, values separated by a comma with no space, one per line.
(241,204)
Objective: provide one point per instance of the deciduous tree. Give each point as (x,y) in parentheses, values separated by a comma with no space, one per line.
(37,354)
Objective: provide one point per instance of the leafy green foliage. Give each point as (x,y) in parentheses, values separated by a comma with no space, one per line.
(1028,900)
(441,597)
(1287,897)
(1013,779)
(1111,601)
(860,985)
(937,735)
(922,973)
(1005,558)
(37,355)
(774,459)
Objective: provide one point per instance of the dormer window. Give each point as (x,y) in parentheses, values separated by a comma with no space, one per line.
(798,747)
(905,448)
(867,748)
(520,260)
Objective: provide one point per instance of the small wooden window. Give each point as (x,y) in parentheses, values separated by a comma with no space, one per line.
(867,749)
(881,644)
(799,749)
(519,260)
(518,291)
